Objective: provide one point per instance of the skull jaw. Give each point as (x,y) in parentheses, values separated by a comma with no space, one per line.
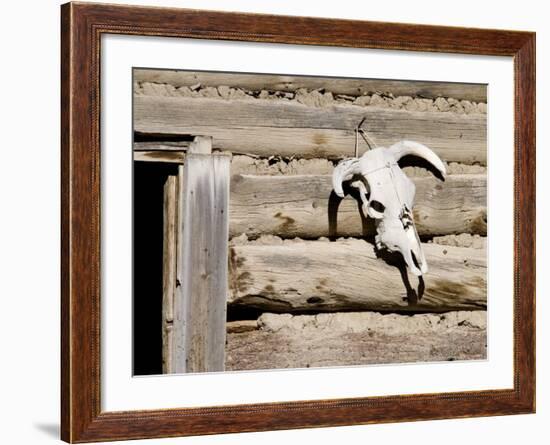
(395,238)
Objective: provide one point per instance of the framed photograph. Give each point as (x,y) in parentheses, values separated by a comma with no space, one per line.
(275,222)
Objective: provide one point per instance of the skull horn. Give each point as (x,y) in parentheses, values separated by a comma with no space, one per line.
(405,148)
(344,171)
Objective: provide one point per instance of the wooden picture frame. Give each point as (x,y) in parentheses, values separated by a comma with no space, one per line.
(82,26)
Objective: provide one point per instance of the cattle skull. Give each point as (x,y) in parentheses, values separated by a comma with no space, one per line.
(387,196)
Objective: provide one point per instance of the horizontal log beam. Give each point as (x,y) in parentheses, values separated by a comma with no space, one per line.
(291,206)
(347,86)
(302,206)
(268,127)
(347,275)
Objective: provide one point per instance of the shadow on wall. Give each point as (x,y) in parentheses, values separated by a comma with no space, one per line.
(49,429)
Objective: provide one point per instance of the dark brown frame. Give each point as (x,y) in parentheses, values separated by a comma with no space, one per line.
(81,27)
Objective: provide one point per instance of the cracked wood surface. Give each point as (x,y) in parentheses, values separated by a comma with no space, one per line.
(198,337)
(268,127)
(302,206)
(346,275)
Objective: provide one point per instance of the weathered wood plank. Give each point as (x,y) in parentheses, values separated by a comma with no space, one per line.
(348,86)
(168,151)
(160,156)
(200,313)
(266,128)
(302,206)
(169,255)
(161,145)
(201,145)
(298,206)
(179,334)
(347,275)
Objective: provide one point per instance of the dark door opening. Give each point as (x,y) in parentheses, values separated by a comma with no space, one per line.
(149,179)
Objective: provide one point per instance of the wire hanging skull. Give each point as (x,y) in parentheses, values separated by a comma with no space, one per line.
(387,196)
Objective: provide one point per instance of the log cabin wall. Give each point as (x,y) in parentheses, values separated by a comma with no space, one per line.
(293,247)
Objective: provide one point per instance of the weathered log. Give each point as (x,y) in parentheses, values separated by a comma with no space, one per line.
(309,211)
(265,128)
(347,275)
(303,206)
(348,86)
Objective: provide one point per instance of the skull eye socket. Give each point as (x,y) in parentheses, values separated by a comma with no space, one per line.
(377,206)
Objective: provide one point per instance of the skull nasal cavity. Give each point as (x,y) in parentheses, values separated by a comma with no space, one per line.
(378,206)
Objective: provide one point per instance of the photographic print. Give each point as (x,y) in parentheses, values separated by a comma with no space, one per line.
(286,221)
(286,235)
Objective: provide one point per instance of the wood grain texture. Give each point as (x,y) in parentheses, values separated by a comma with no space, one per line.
(66,411)
(309,210)
(201,145)
(525,221)
(80,231)
(150,146)
(200,309)
(82,27)
(303,206)
(169,156)
(265,128)
(347,276)
(347,86)
(169,268)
